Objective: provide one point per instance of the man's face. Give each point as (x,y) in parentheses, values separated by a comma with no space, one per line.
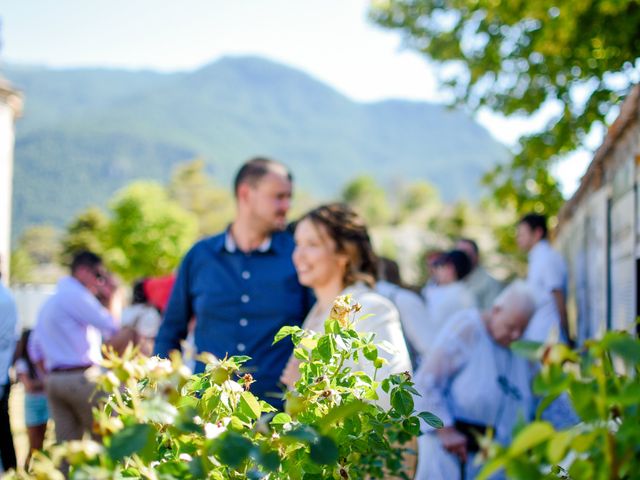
(93,278)
(506,325)
(526,237)
(269,200)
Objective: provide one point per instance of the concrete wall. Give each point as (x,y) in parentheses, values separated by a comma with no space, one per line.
(10,108)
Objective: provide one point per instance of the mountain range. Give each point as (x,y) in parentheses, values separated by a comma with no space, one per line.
(85,133)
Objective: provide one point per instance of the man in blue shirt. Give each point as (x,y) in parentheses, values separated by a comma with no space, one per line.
(240,285)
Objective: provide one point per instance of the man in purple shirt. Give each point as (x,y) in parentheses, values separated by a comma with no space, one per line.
(67,340)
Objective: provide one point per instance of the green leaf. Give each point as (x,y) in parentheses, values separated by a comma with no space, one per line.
(285,332)
(526,348)
(339,413)
(623,345)
(530,436)
(558,445)
(280,419)
(431,419)
(138,438)
(370,352)
(232,449)
(326,347)
(411,425)
(324,451)
(402,401)
(249,406)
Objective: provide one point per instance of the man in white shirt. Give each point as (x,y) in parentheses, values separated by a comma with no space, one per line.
(547,277)
(8,325)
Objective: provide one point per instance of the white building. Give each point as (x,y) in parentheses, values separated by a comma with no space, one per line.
(10,109)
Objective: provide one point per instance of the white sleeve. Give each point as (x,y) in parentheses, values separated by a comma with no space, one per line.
(413,315)
(449,354)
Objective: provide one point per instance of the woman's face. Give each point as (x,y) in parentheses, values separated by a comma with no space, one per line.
(315,257)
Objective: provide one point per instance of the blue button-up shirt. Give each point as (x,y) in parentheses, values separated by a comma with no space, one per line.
(240,300)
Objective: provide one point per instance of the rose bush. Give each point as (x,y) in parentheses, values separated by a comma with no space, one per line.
(161,422)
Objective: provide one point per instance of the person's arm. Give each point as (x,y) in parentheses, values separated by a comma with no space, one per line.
(8,322)
(448,356)
(179,311)
(87,309)
(413,316)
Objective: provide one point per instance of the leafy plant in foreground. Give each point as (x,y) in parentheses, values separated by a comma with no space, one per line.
(161,422)
(603,384)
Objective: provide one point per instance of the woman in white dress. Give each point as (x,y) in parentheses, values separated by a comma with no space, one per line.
(333,256)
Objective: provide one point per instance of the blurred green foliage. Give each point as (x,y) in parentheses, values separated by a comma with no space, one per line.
(519,58)
(602,383)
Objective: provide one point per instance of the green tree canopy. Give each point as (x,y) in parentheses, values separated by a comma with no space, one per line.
(367,198)
(85,232)
(197,192)
(517,57)
(148,233)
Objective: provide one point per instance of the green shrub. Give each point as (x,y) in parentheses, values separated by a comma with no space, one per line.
(161,422)
(603,386)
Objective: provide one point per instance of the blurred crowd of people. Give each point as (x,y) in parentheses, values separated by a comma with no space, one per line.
(235,290)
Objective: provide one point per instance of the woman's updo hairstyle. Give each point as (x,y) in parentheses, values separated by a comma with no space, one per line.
(349,232)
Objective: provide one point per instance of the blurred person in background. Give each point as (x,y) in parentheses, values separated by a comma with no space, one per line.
(547,277)
(8,328)
(240,285)
(36,410)
(67,341)
(142,317)
(473,382)
(450,295)
(482,285)
(410,305)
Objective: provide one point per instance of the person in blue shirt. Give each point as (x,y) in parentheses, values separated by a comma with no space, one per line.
(241,285)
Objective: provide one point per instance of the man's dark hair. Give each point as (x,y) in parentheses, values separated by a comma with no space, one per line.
(256,168)
(534,221)
(473,244)
(459,260)
(85,259)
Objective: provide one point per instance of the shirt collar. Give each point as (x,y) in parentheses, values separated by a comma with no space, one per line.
(231,246)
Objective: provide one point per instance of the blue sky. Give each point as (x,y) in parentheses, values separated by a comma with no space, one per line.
(329,39)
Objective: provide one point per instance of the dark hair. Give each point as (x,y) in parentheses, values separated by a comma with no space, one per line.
(474,245)
(85,259)
(138,294)
(256,168)
(348,230)
(388,270)
(21,352)
(460,261)
(535,221)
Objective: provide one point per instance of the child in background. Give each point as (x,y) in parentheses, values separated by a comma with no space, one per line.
(36,411)
(143,317)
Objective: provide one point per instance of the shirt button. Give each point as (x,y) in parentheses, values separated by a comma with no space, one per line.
(246,275)
(241,347)
(244,298)
(244,322)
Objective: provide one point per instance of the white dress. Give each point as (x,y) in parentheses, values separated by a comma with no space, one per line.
(384,322)
(471,378)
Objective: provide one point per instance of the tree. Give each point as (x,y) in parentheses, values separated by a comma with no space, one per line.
(41,243)
(148,233)
(369,199)
(418,196)
(196,192)
(518,58)
(85,232)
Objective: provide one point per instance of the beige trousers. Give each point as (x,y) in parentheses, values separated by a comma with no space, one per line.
(71,397)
